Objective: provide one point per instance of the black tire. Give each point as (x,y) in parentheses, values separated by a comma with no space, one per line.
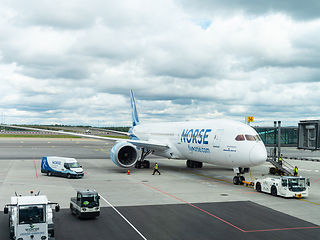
(241,179)
(77,214)
(200,165)
(236,180)
(68,175)
(273,191)
(258,187)
(192,164)
(147,164)
(138,164)
(49,173)
(188,163)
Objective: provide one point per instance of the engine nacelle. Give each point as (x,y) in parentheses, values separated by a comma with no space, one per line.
(124,154)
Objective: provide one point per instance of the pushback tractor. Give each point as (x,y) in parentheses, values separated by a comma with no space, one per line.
(285,186)
(31,217)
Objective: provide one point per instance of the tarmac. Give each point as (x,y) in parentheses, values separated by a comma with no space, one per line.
(181,203)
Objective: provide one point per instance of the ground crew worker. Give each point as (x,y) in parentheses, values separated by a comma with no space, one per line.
(156,169)
(295,171)
(280,160)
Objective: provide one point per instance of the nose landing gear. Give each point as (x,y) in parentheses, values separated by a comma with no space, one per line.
(239,179)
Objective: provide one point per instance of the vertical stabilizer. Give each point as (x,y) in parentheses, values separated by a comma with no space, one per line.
(135,116)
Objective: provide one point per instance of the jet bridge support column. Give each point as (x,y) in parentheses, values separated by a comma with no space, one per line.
(279,139)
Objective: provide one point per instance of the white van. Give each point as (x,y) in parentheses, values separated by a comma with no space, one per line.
(61,166)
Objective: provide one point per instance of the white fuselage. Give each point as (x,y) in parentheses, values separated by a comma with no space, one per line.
(214,142)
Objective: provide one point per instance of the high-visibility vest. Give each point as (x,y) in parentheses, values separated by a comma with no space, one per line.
(280,159)
(156,167)
(295,170)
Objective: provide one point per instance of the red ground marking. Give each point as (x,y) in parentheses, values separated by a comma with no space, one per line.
(230,224)
(35,167)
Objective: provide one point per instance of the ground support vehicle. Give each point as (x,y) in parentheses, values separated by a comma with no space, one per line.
(86,204)
(61,166)
(285,186)
(31,217)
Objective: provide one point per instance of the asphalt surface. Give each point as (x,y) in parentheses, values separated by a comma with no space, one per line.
(181,203)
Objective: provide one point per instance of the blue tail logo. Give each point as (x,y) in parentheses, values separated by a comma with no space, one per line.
(135,116)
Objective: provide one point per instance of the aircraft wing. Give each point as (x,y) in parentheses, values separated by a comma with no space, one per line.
(111,131)
(138,143)
(149,145)
(67,133)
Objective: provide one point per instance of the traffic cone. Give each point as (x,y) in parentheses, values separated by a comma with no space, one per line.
(128,171)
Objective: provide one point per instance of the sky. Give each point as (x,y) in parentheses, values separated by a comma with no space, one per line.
(74,62)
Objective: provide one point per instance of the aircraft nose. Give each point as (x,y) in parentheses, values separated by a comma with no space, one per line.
(258,154)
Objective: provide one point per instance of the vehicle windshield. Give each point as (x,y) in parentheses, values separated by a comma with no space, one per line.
(296,184)
(90,200)
(73,165)
(32,214)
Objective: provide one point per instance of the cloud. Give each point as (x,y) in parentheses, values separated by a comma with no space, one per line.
(74,62)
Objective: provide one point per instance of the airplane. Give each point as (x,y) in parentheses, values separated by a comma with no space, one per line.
(226,143)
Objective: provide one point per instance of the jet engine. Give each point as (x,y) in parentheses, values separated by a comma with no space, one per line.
(124,154)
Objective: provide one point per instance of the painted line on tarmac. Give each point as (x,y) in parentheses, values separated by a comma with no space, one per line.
(143,237)
(35,167)
(230,224)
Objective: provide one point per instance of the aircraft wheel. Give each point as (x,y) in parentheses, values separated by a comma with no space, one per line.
(188,163)
(258,187)
(242,179)
(273,191)
(236,180)
(147,164)
(138,164)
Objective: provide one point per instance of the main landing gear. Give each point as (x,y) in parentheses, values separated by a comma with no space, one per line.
(194,164)
(143,163)
(239,179)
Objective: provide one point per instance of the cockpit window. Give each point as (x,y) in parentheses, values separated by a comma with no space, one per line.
(240,138)
(250,138)
(258,138)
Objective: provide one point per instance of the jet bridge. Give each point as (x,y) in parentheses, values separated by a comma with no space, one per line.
(309,135)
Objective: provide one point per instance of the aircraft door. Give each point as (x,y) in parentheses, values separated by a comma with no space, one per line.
(217,138)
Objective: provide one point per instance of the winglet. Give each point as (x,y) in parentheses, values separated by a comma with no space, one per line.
(135,116)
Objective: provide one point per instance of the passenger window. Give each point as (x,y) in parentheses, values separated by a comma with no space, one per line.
(250,138)
(240,138)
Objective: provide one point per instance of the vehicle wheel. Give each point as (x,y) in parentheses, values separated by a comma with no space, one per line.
(258,187)
(200,165)
(236,180)
(77,214)
(68,175)
(273,191)
(49,173)
(71,208)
